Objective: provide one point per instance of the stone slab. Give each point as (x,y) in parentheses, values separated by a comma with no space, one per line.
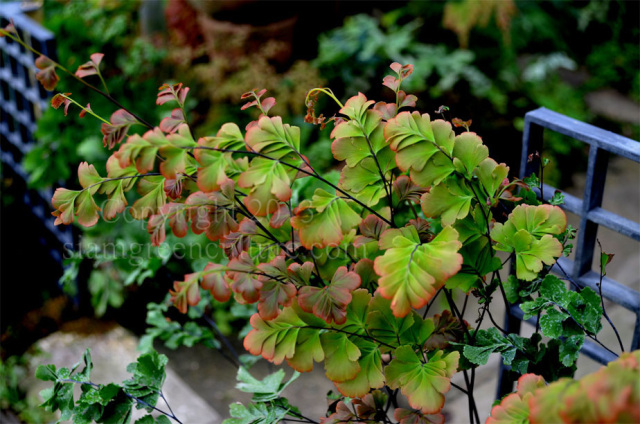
(111,352)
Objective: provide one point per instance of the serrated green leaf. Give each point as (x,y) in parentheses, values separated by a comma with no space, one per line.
(551,323)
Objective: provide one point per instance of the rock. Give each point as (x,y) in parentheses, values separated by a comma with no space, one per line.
(111,352)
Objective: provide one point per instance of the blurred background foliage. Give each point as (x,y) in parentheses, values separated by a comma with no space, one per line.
(490,61)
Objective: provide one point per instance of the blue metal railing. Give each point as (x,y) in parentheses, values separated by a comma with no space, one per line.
(589,209)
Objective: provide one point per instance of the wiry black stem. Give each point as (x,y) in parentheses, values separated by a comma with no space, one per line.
(604,311)
(304,171)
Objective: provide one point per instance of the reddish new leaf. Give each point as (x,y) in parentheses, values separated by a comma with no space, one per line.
(241,270)
(171,123)
(214,280)
(116,131)
(408,416)
(186,293)
(172,92)
(447,329)
(47,75)
(330,302)
(90,67)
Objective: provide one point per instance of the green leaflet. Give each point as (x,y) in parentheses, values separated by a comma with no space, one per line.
(341,357)
(287,337)
(468,152)
(269,388)
(492,341)
(407,129)
(354,140)
(273,138)
(356,107)
(450,201)
(424,384)
(153,197)
(412,272)
(115,189)
(104,403)
(324,220)
(363,180)
(383,326)
(565,313)
(528,232)
(491,175)
(176,152)
(370,375)
(477,262)
(259,413)
(269,182)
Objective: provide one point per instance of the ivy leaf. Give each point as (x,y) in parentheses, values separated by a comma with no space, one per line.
(330,302)
(551,323)
(272,138)
(423,384)
(449,201)
(324,220)
(412,272)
